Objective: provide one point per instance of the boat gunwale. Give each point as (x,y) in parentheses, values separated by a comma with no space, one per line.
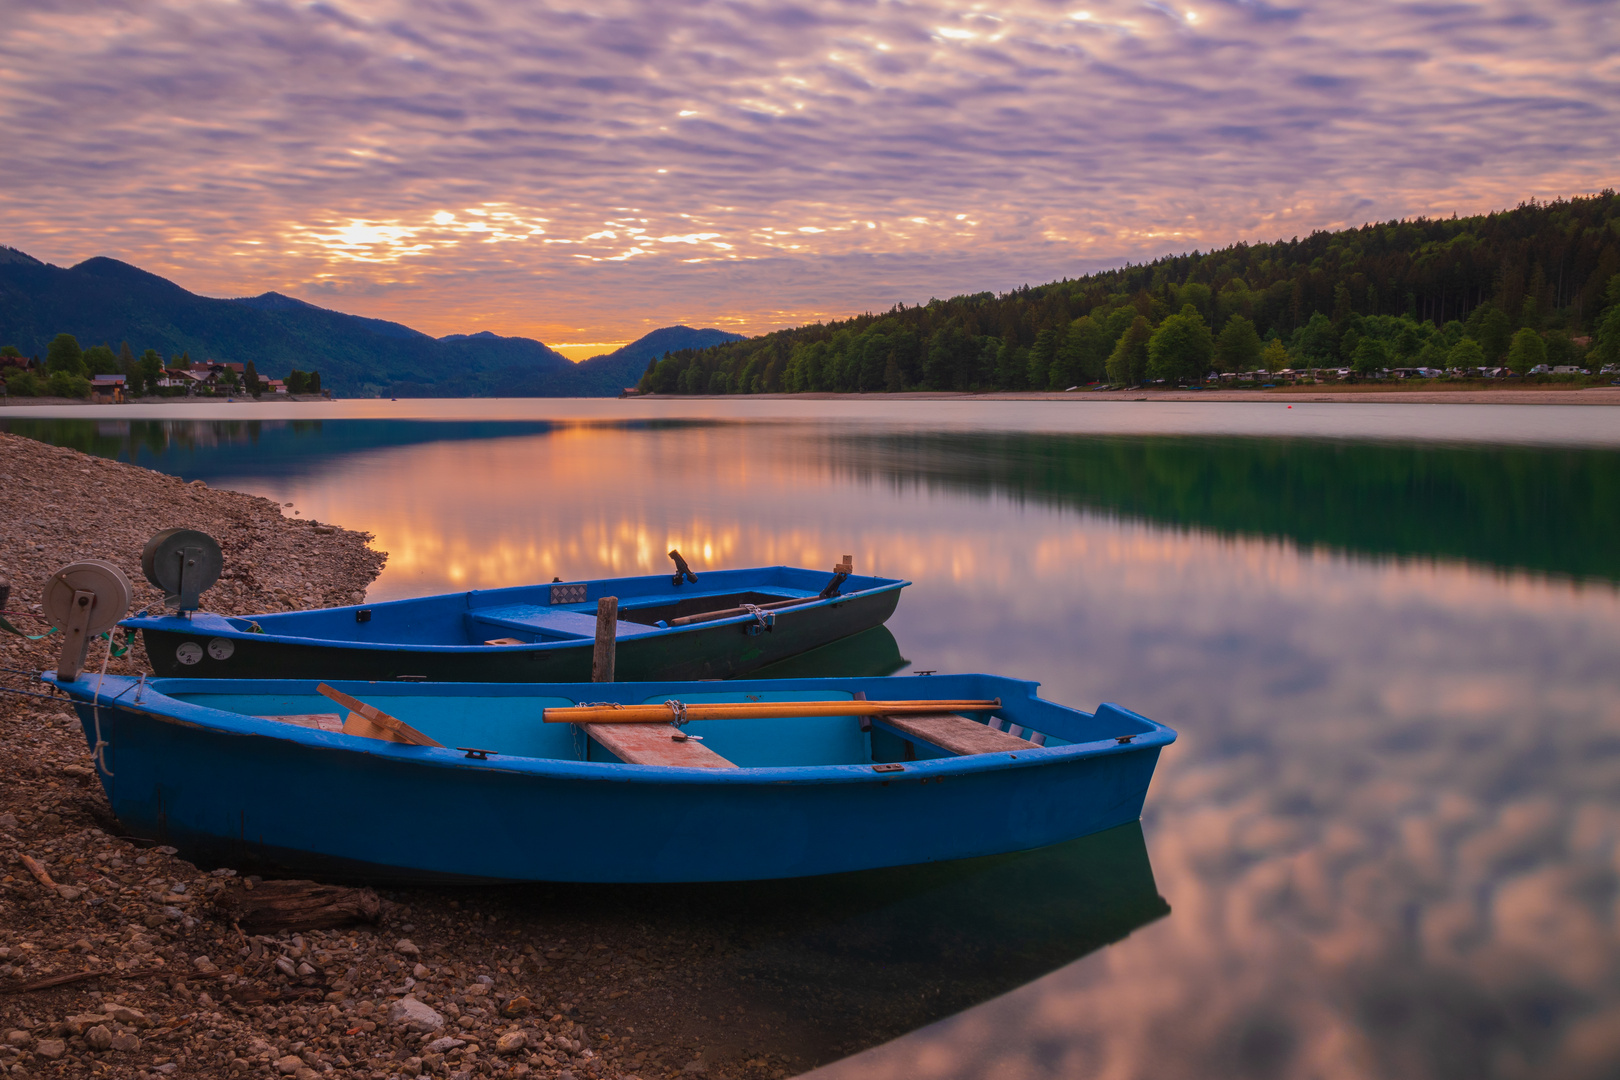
(174,624)
(87,692)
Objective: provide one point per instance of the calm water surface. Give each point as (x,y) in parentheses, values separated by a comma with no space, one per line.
(1388,840)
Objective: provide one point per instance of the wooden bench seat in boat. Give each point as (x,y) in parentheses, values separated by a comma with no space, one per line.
(954,733)
(552,623)
(650,744)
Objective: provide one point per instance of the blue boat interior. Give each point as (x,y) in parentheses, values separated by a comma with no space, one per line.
(536,614)
(508,720)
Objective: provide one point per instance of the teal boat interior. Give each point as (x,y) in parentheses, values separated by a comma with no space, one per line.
(560,613)
(506,720)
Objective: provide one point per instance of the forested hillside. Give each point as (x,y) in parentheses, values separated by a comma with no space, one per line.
(1536,284)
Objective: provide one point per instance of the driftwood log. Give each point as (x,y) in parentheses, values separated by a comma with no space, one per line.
(274,906)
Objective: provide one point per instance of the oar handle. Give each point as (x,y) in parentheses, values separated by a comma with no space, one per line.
(748,710)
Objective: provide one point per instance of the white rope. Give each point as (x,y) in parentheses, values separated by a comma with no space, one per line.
(98,752)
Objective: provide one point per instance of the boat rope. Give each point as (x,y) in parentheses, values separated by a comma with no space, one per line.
(98,752)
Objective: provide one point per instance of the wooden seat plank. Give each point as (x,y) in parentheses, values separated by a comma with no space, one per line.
(957,734)
(650,744)
(318,721)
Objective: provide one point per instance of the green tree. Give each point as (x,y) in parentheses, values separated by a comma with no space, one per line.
(1467,355)
(9,351)
(1083,354)
(100,360)
(25,384)
(1315,343)
(67,384)
(250,380)
(1127,364)
(1041,355)
(1526,351)
(1495,333)
(1181,348)
(1370,357)
(1606,342)
(64,355)
(1238,346)
(151,366)
(1274,357)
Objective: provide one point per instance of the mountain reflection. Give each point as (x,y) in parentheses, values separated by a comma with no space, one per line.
(1546,509)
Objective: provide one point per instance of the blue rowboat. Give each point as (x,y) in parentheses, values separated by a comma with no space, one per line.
(726,623)
(257,773)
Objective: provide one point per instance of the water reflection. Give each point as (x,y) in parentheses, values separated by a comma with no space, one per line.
(834,965)
(1390,831)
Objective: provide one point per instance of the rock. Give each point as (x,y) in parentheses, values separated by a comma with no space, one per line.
(517,1006)
(125,1042)
(18,1038)
(306,1073)
(205,965)
(511,1043)
(126,1015)
(420,971)
(289,1065)
(306,969)
(50,1049)
(69,892)
(444,1044)
(413,1014)
(407,947)
(285,965)
(99,1038)
(477,989)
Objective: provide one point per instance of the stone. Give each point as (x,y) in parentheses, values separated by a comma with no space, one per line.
(50,1049)
(99,1038)
(477,989)
(285,965)
(413,1014)
(406,947)
(125,1042)
(306,1073)
(420,971)
(205,965)
(444,1044)
(18,1038)
(511,1043)
(69,892)
(517,1006)
(289,1065)
(126,1015)
(306,969)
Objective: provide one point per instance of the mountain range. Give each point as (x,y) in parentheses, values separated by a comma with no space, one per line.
(103,300)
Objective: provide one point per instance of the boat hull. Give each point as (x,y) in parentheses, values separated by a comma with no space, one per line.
(718,650)
(312,803)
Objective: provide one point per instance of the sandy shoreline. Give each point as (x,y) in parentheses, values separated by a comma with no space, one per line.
(533,981)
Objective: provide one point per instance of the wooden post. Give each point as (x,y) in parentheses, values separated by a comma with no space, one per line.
(607,636)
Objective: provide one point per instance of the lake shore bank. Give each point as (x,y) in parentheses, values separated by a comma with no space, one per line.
(1359,394)
(520,981)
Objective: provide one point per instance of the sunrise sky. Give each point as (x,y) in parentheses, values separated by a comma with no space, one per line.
(585,172)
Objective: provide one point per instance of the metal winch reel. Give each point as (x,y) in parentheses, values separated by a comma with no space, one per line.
(84,599)
(184,563)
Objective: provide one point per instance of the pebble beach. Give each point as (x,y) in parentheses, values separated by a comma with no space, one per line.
(120,959)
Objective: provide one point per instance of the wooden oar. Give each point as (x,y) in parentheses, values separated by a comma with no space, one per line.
(726,613)
(749,710)
(385,726)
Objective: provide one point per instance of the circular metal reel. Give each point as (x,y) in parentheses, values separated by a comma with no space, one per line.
(104,581)
(183,563)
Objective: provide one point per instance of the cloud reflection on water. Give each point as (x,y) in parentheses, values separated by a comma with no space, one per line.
(1389,834)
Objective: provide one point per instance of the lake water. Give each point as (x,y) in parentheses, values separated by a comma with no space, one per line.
(1388,840)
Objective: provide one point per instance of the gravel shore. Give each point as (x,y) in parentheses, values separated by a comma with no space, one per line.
(447,981)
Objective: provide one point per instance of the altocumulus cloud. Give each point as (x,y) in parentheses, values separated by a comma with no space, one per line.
(596,168)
